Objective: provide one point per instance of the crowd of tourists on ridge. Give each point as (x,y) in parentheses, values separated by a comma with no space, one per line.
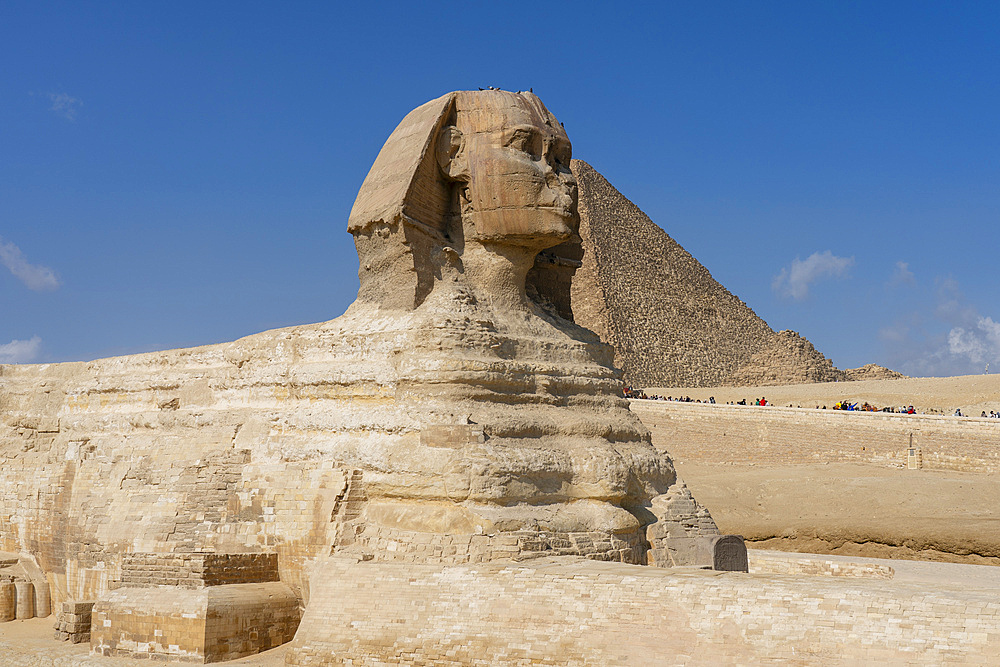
(868,407)
(632,392)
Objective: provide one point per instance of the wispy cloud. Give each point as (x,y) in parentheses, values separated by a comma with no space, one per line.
(980,343)
(902,275)
(34,276)
(64,105)
(794,281)
(948,337)
(20,351)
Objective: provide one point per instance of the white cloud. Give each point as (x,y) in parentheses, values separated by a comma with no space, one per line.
(794,281)
(979,343)
(949,336)
(20,351)
(34,276)
(64,105)
(902,275)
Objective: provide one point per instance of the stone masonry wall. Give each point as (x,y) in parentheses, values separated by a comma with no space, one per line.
(570,611)
(207,624)
(699,432)
(197,570)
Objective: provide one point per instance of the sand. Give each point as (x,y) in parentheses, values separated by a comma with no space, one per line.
(858,509)
(855,509)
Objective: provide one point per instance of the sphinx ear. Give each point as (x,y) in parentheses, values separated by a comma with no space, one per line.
(451,156)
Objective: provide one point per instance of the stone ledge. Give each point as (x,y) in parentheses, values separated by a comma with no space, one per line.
(197,570)
(194,625)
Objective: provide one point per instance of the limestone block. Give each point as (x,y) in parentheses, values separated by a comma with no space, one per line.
(78,607)
(712,552)
(207,624)
(8,601)
(25,593)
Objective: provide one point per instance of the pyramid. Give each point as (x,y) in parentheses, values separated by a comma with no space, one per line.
(671,323)
(786,358)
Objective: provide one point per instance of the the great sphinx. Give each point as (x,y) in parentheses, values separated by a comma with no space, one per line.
(453,414)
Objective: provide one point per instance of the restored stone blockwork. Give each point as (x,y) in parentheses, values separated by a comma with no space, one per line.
(197,570)
(195,607)
(573,612)
(197,625)
(186,458)
(748,434)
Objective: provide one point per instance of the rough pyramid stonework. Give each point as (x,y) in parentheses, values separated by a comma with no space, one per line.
(670,322)
(786,358)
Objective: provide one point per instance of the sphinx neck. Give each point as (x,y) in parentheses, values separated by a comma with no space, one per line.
(497,272)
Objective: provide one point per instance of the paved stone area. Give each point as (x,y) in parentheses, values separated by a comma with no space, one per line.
(30,644)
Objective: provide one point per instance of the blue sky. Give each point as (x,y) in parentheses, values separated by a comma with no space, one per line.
(176,174)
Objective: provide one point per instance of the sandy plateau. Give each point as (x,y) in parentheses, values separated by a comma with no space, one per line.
(851,508)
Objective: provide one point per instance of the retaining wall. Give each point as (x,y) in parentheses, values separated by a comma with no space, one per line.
(701,432)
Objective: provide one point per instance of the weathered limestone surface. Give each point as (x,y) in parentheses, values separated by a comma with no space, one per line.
(872,372)
(454,414)
(207,624)
(785,358)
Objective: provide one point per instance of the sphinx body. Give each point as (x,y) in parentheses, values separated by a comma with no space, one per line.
(453,414)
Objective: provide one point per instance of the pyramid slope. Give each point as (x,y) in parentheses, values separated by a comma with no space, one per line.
(670,322)
(786,358)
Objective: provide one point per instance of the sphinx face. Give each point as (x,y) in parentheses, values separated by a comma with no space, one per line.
(520,190)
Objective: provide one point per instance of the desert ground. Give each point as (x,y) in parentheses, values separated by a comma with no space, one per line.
(851,508)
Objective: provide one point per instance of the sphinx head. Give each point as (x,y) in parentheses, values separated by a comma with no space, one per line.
(510,160)
(480,180)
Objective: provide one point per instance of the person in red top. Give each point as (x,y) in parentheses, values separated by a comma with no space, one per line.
(763,401)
